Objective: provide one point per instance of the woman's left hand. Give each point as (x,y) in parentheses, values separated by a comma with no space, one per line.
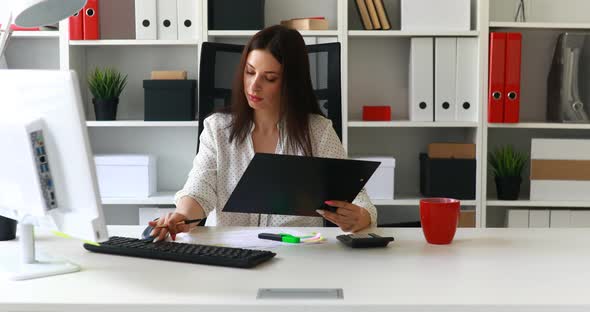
(349,217)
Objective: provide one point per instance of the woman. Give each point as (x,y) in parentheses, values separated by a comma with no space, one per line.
(274,110)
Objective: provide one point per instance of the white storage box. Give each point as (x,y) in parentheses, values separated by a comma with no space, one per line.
(381,184)
(436,15)
(560,169)
(126,175)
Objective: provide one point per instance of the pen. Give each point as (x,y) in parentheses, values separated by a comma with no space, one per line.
(180,223)
(281,237)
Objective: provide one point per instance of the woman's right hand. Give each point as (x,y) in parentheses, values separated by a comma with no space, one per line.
(168,224)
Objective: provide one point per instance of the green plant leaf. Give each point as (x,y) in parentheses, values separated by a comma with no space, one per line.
(107,83)
(506,162)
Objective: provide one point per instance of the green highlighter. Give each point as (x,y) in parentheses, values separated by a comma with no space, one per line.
(281,237)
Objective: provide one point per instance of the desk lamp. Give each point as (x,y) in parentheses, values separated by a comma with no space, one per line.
(35,13)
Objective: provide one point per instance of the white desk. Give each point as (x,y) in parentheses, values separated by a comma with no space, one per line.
(483,270)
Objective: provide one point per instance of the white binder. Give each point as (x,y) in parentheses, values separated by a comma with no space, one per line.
(421,79)
(539,218)
(146,25)
(559,218)
(517,218)
(467,102)
(167,20)
(445,59)
(188,21)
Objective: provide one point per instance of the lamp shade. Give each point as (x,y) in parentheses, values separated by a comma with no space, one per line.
(35,13)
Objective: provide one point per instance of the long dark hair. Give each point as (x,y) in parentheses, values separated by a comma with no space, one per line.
(297,99)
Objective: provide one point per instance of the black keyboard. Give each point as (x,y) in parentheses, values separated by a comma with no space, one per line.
(183,252)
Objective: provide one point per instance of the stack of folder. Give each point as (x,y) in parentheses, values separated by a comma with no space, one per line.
(443,79)
(84,25)
(167,19)
(547,218)
(504,77)
(154,19)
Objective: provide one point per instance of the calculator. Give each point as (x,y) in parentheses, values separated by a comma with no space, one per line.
(367,240)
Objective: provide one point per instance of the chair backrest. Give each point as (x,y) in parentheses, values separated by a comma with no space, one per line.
(220,60)
(217,70)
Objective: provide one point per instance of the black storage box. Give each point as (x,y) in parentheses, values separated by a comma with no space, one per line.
(236,14)
(441,177)
(169,100)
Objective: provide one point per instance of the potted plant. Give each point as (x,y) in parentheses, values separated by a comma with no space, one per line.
(507,165)
(106,85)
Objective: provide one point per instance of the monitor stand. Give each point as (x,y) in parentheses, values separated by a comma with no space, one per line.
(24,265)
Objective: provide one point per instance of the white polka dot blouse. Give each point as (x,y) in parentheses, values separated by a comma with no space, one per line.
(219,165)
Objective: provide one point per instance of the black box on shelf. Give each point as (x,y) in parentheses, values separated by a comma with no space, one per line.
(236,14)
(169,100)
(442,177)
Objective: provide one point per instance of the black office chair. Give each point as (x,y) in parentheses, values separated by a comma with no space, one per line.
(217,70)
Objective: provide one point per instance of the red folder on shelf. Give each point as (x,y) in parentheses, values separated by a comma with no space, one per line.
(76,26)
(90,16)
(512,77)
(496,77)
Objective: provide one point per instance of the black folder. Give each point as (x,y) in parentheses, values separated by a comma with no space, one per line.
(297,185)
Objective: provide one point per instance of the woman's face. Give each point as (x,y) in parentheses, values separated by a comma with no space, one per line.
(262,80)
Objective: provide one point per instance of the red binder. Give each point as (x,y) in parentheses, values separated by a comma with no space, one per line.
(512,77)
(91,26)
(496,77)
(76,26)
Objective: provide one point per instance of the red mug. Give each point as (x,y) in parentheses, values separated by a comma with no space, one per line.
(439,218)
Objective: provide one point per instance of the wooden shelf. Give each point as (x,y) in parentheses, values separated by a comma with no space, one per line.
(134,42)
(35,34)
(541,25)
(141,123)
(537,203)
(160,198)
(411,124)
(250,33)
(403,33)
(540,125)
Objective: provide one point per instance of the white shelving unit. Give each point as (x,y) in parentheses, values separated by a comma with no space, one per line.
(537,203)
(411,124)
(401,33)
(141,123)
(134,42)
(35,34)
(374,72)
(533,25)
(546,20)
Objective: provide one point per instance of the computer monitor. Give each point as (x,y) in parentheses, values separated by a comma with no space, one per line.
(47,172)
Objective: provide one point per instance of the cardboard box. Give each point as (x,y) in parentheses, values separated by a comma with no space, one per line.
(381,184)
(126,175)
(467,219)
(451,150)
(169,75)
(306,24)
(439,15)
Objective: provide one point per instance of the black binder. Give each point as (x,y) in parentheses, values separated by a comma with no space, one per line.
(297,185)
